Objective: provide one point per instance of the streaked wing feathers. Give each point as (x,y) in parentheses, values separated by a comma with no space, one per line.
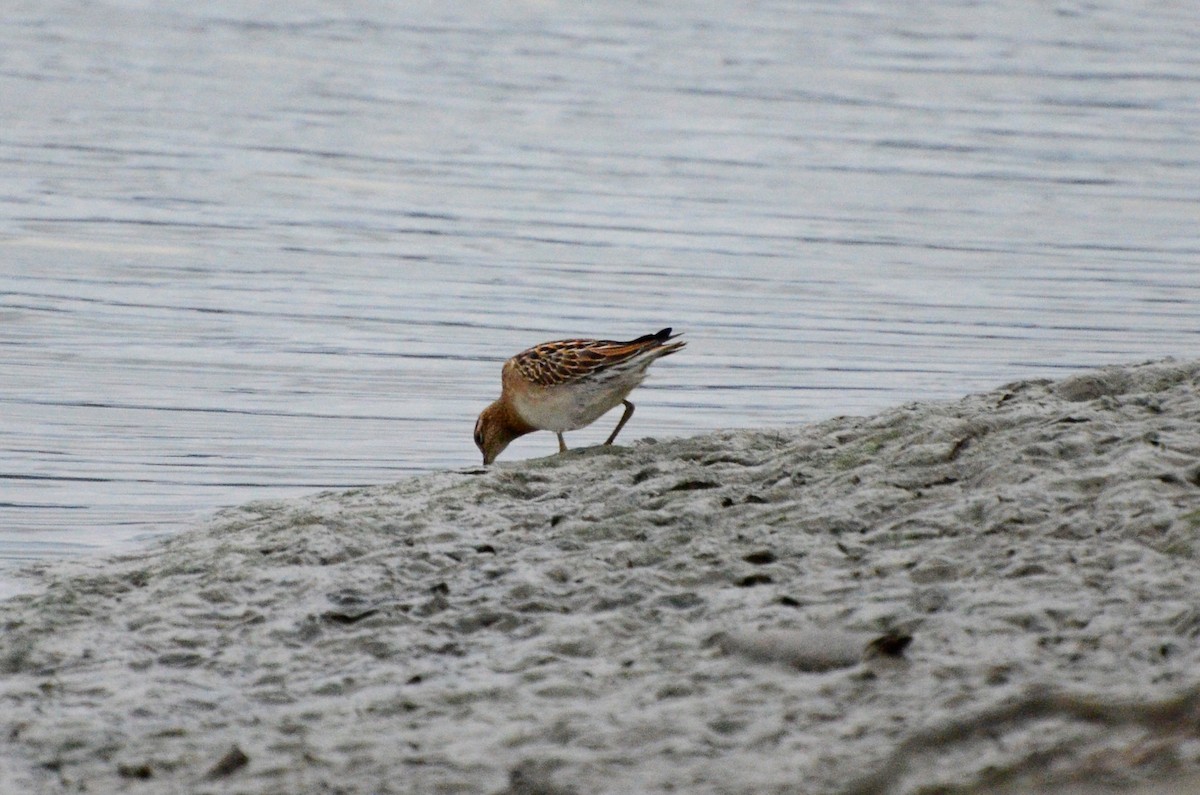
(563,361)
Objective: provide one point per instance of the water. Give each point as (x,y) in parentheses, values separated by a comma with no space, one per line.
(252,250)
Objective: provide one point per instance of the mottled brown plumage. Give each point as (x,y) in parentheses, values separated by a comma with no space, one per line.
(567,384)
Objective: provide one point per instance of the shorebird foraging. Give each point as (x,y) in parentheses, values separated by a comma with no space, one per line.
(567,384)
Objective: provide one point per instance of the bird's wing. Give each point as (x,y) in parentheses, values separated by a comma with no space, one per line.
(564,361)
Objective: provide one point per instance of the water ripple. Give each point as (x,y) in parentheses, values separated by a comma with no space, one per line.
(252,256)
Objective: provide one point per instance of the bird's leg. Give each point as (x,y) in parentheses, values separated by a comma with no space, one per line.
(624,419)
(562,446)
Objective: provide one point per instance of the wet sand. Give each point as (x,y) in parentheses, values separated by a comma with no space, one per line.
(696,615)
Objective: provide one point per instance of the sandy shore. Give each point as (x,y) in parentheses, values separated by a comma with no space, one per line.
(696,615)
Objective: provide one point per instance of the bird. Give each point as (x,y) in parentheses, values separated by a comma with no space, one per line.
(565,385)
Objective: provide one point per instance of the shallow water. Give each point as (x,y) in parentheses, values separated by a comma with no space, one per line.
(251,255)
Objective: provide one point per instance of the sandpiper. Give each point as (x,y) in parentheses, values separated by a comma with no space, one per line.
(565,385)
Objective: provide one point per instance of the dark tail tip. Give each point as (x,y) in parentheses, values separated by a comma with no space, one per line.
(659,337)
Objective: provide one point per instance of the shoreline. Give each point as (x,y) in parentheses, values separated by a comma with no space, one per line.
(643,618)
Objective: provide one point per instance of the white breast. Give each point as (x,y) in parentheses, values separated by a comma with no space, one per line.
(572,406)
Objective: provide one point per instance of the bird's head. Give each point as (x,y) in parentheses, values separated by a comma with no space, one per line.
(494,430)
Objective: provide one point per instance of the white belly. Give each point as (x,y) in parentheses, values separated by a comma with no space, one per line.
(569,408)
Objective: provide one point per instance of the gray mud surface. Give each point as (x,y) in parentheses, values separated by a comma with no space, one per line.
(677,616)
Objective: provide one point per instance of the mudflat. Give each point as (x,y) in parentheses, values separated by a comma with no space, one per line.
(717,614)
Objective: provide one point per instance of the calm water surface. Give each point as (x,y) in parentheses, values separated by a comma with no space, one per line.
(254,249)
